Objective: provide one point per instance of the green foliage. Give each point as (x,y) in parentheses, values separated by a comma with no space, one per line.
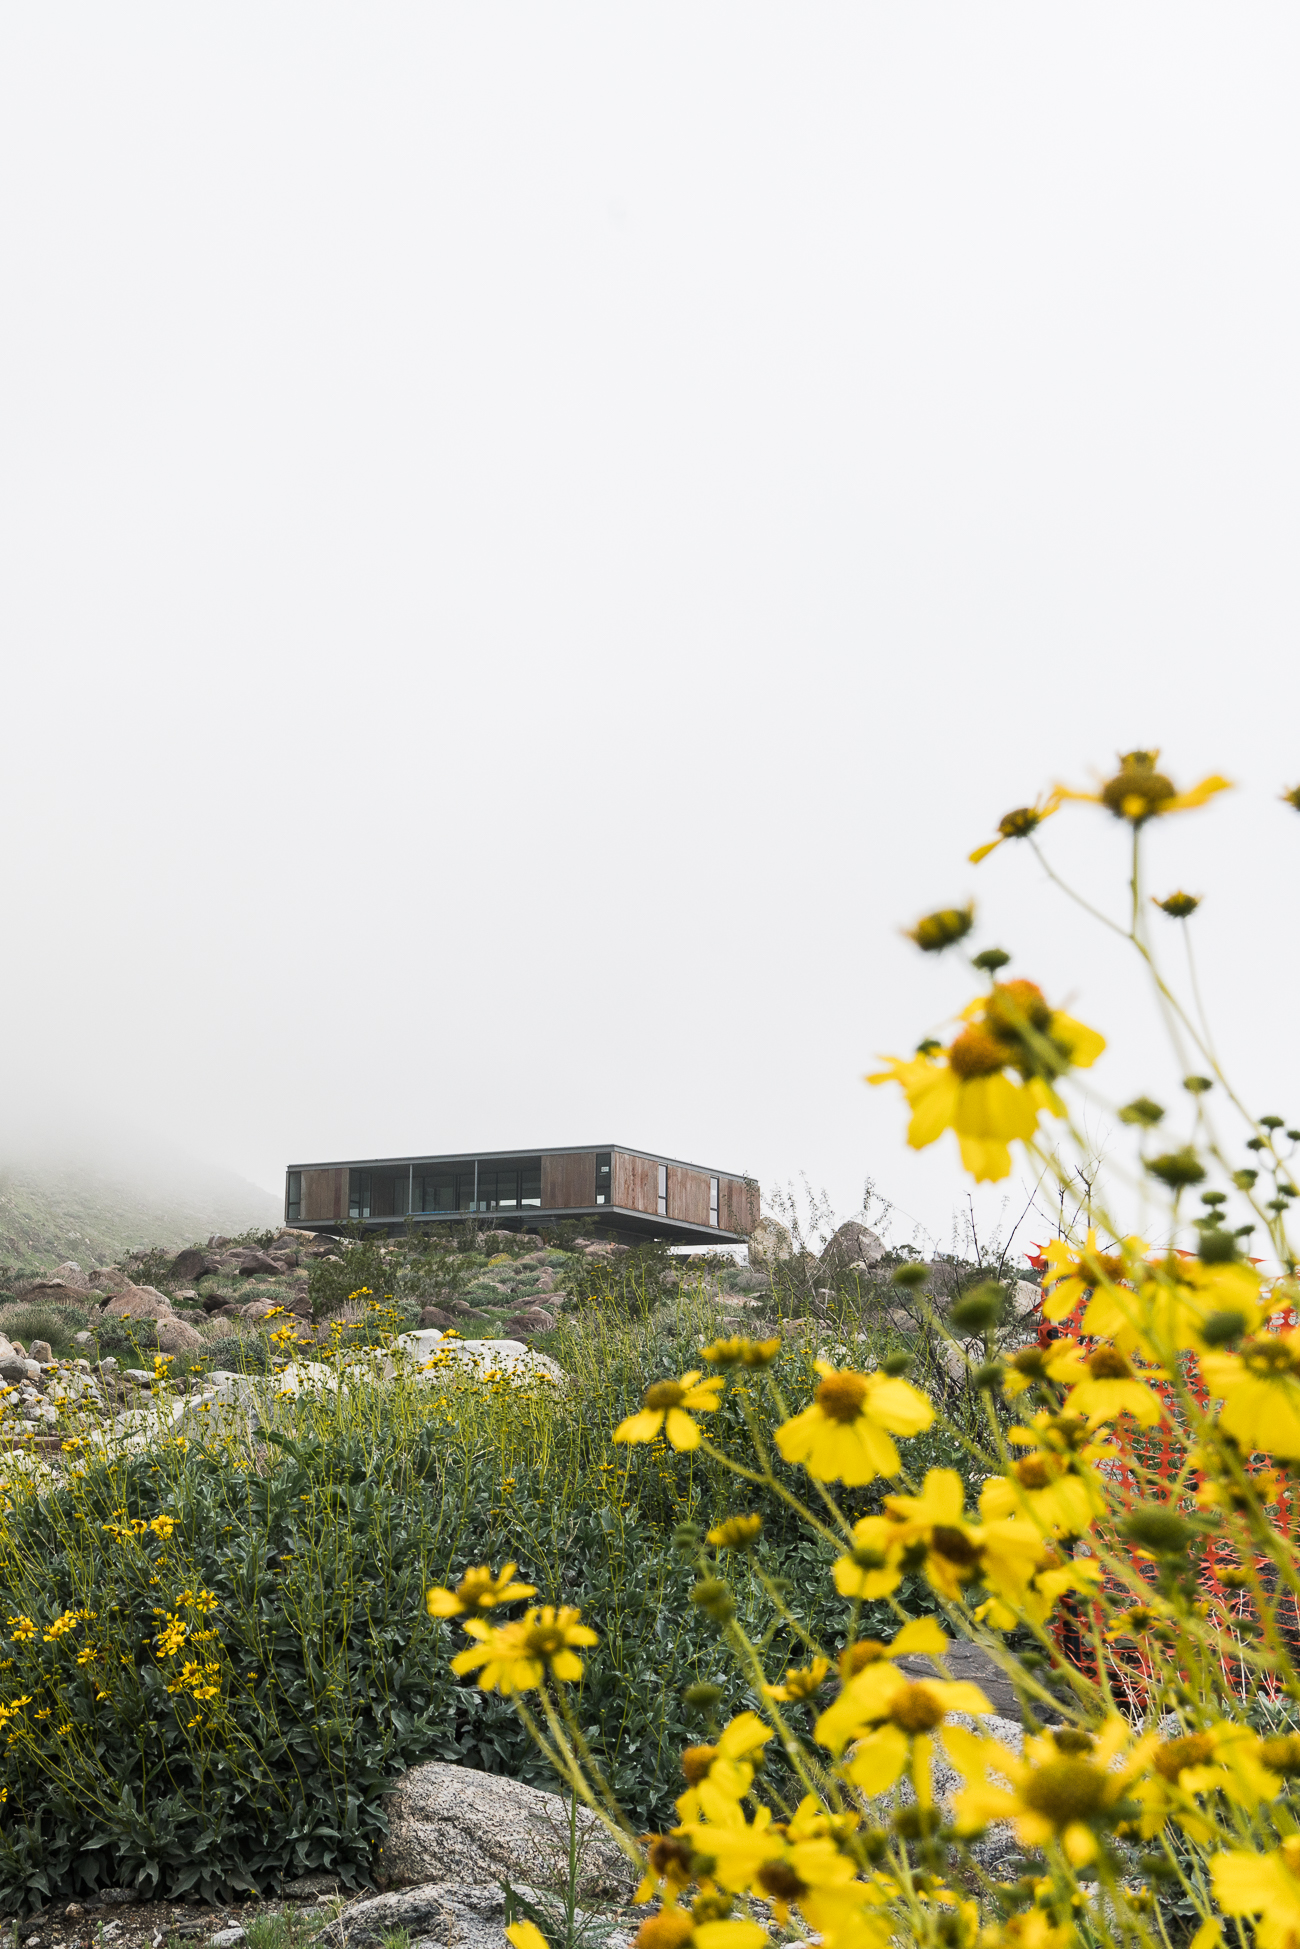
(318,1544)
(632,1283)
(44,1321)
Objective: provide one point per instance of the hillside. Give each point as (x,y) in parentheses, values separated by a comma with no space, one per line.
(52,1212)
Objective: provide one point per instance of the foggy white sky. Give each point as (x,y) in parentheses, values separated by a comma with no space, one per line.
(534,539)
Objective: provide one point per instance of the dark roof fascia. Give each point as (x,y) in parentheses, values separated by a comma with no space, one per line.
(492,1156)
(526,1221)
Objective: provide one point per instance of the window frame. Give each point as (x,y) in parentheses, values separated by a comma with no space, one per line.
(662,1199)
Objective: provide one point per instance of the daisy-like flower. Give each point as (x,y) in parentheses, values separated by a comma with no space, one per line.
(1057,1480)
(669,1405)
(740,1352)
(890,1717)
(800,1682)
(1260,1390)
(1176,1298)
(1019,824)
(1065,1788)
(1139,792)
(966,1087)
(736,1533)
(1266,1886)
(718,1777)
(1002,1554)
(1227,1758)
(844,1436)
(677,1928)
(873,1566)
(513,1658)
(780,1862)
(1103,1385)
(479,1590)
(1074,1273)
(526,1935)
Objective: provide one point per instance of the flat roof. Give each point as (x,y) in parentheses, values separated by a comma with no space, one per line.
(512,1156)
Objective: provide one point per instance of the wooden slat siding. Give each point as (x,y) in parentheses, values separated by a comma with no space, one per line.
(569,1183)
(636,1183)
(737,1205)
(324,1197)
(688,1195)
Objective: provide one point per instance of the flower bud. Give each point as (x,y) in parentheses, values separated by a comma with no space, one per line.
(1143,1111)
(936,931)
(1179,905)
(895,1364)
(701,1697)
(979,1309)
(715,1600)
(990,960)
(913,1272)
(1177,1168)
(1154,1526)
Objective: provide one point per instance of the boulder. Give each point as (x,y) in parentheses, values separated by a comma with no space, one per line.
(456,1824)
(191,1264)
(490,1356)
(138,1303)
(71,1274)
(215,1302)
(469,1915)
(177,1336)
(534,1319)
(854,1247)
(260,1265)
(257,1309)
(43,1352)
(768,1242)
(435,1316)
(55,1292)
(109,1279)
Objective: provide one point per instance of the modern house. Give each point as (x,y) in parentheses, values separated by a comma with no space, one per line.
(621,1193)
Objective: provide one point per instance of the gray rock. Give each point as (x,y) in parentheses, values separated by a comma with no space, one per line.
(468,1915)
(227,1938)
(42,1352)
(71,1274)
(769,1240)
(455,1823)
(970,1662)
(853,1245)
(178,1336)
(138,1303)
(110,1279)
(311,1887)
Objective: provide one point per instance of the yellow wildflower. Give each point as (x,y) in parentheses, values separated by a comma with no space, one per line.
(512,1658)
(1262,1885)
(965,1088)
(1064,1788)
(1103,1385)
(1139,792)
(1260,1390)
(669,1406)
(525,1935)
(718,1777)
(1175,1301)
(1225,1758)
(844,1436)
(677,1928)
(1018,824)
(478,1590)
(669,1865)
(740,1352)
(891,1716)
(1001,1553)
(1058,1481)
(162,1526)
(800,1682)
(872,1568)
(781,1864)
(1073,1272)
(21,1629)
(736,1533)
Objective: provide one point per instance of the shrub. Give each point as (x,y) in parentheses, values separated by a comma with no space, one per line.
(52,1321)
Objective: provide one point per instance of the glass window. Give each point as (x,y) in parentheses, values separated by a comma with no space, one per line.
(713,1201)
(465,1190)
(358,1194)
(507,1191)
(436,1191)
(604,1178)
(663,1191)
(530,1185)
(293,1202)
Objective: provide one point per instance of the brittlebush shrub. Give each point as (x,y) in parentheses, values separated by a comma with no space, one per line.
(1120,1544)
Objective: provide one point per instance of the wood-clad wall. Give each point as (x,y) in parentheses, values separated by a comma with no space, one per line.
(737,1205)
(324,1197)
(636,1183)
(569,1183)
(688,1195)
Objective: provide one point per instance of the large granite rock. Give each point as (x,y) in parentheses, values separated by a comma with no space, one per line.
(139,1303)
(769,1241)
(455,1824)
(177,1336)
(853,1246)
(467,1914)
(488,1356)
